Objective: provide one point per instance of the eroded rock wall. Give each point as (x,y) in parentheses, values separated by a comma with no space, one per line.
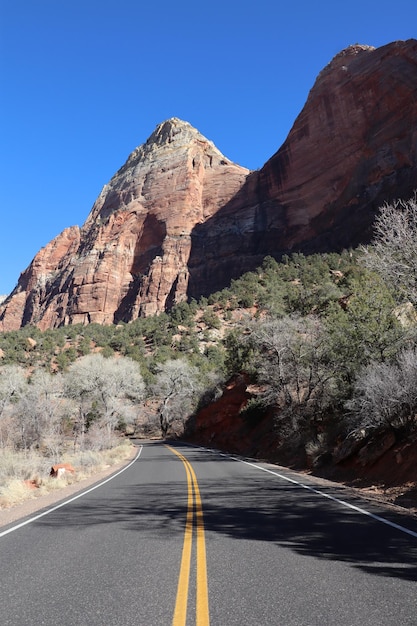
(352,148)
(180,220)
(131,256)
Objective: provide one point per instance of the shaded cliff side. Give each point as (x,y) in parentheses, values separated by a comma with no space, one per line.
(180,220)
(130,257)
(352,148)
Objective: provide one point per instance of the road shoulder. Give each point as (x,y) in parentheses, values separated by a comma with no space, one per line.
(34,505)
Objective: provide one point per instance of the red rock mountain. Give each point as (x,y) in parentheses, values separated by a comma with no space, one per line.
(180,220)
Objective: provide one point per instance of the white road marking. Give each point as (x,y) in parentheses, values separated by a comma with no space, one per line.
(320,493)
(80,495)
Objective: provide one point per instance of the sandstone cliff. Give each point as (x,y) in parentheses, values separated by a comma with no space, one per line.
(353,147)
(130,257)
(180,220)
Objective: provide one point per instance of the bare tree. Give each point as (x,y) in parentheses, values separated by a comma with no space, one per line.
(178,390)
(291,361)
(79,388)
(39,411)
(12,384)
(109,386)
(393,253)
(407,364)
(385,394)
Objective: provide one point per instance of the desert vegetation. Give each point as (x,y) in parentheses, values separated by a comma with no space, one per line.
(335,357)
(328,343)
(26,475)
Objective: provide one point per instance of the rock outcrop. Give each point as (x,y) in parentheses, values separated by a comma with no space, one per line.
(130,258)
(180,220)
(352,148)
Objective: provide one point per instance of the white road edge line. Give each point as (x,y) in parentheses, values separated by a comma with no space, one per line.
(321,493)
(80,495)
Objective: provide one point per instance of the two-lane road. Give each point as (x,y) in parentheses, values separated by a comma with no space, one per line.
(190,536)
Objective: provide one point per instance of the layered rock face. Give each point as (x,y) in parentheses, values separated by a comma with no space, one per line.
(180,220)
(352,148)
(130,257)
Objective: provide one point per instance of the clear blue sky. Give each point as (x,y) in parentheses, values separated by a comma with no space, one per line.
(83,82)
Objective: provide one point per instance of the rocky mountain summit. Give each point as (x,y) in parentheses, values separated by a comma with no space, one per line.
(180,220)
(130,257)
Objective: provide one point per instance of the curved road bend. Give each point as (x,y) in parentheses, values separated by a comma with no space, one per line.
(190,536)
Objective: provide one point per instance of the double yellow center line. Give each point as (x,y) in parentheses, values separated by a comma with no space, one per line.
(202,607)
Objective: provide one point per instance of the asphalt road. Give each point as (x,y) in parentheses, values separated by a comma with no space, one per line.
(189,536)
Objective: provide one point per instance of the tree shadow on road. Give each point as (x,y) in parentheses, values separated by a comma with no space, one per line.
(258,508)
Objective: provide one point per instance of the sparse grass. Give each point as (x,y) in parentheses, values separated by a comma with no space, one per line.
(24,476)
(14,492)
(22,465)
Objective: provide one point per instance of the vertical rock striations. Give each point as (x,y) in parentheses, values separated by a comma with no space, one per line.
(180,220)
(352,147)
(131,256)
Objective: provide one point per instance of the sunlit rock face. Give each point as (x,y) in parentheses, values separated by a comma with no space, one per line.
(180,220)
(130,258)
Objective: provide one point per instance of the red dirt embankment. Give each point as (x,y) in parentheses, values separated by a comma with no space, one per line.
(389,475)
